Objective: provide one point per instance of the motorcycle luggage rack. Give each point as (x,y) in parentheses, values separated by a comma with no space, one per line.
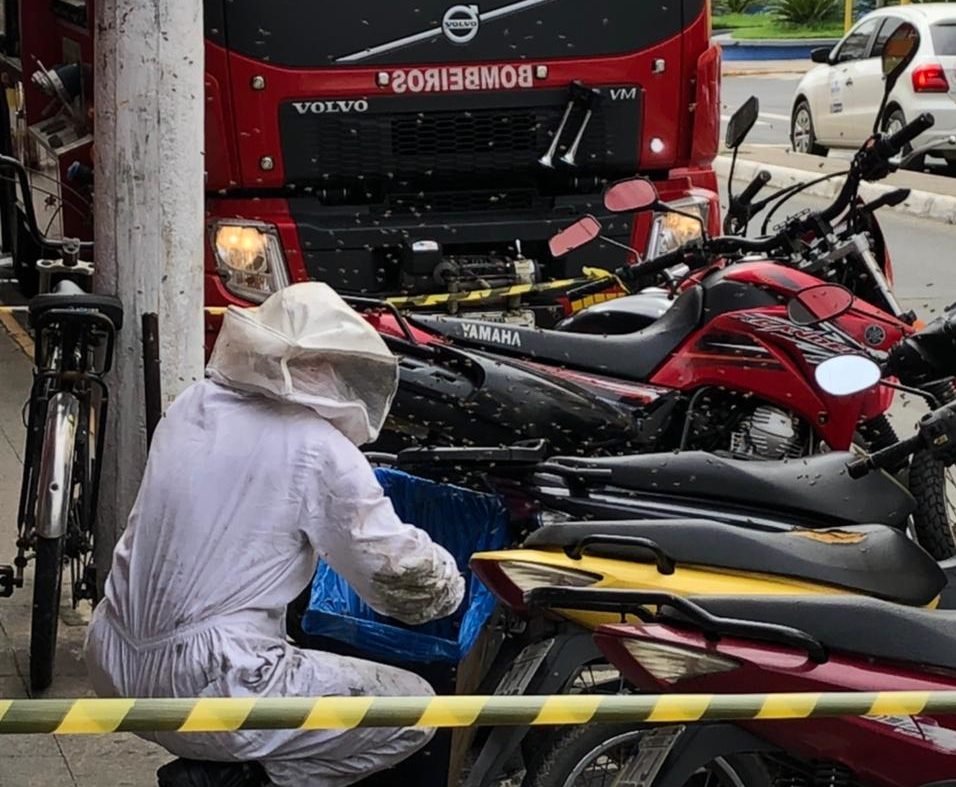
(635,603)
(665,563)
(377,303)
(577,478)
(380,458)
(530,454)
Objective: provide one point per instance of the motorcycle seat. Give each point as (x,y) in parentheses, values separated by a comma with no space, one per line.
(630,356)
(875,560)
(853,624)
(815,486)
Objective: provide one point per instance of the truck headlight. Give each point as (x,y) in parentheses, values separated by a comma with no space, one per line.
(671,230)
(249,258)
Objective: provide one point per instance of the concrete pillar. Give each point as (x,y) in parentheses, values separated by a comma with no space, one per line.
(149,218)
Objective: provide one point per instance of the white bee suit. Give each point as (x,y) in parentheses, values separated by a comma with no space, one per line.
(253,476)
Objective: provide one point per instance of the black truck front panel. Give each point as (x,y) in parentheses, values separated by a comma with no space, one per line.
(371,32)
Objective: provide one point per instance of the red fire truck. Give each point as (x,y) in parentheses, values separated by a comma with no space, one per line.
(392,148)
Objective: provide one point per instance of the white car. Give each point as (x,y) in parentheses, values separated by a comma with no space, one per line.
(836,102)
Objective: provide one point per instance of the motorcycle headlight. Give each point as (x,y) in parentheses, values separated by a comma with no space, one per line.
(249,258)
(671,230)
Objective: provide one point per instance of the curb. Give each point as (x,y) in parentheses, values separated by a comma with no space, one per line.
(924,204)
(765,73)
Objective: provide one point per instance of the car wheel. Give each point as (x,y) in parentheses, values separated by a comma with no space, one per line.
(894,121)
(803,139)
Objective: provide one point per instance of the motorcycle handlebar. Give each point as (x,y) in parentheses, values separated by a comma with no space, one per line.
(885,457)
(937,434)
(896,142)
(760,180)
(713,247)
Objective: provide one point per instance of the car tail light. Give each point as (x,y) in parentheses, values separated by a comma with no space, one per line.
(671,663)
(930,78)
(509,580)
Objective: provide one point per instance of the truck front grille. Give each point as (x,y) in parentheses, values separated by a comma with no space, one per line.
(417,138)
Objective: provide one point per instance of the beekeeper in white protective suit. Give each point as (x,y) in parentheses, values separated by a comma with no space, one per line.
(253,476)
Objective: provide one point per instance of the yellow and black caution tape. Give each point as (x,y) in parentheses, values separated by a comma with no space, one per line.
(470,297)
(101,716)
(498,293)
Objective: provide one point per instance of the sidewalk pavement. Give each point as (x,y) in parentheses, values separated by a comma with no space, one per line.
(931,196)
(43,760)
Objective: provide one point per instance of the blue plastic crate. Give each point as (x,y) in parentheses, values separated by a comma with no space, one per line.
(462,521)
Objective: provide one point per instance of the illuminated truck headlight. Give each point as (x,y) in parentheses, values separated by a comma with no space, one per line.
(250,260)
(671,230)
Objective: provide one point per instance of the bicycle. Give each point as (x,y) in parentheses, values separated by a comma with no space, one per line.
(74,338)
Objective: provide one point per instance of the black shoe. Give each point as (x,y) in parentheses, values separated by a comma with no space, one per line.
(198,773)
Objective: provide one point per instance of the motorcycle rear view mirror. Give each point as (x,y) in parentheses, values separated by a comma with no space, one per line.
(846,375)
(740,123)
(630,195)
(898,52)
(579,234)
(820,303)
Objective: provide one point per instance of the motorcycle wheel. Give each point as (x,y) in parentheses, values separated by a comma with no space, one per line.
(930,483)
(592,755)
(933,488)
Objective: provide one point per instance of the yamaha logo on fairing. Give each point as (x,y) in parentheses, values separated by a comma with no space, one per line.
(330,107)
(874,335)
(493,334)
(460,23)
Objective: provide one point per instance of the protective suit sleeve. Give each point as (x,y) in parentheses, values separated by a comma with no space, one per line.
(396,568)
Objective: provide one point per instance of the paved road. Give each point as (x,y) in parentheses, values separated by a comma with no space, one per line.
(775,94)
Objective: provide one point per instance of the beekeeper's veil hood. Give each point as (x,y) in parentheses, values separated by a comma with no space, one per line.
(305,345)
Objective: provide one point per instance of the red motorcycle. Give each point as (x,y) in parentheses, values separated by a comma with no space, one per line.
(728,645)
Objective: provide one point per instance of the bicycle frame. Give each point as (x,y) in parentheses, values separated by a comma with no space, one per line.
(66,376)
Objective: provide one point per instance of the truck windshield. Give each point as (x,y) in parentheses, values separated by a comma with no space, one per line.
(372,32)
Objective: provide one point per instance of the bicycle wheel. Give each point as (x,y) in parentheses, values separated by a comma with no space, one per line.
(47,583)
(54,497)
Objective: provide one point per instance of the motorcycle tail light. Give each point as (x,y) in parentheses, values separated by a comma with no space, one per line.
(930,78)
(671,663)
(509,580)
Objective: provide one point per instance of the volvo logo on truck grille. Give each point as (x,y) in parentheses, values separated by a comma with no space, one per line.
(330,107)
(460,23)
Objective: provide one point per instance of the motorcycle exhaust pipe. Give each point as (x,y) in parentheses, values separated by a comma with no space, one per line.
(547,160)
